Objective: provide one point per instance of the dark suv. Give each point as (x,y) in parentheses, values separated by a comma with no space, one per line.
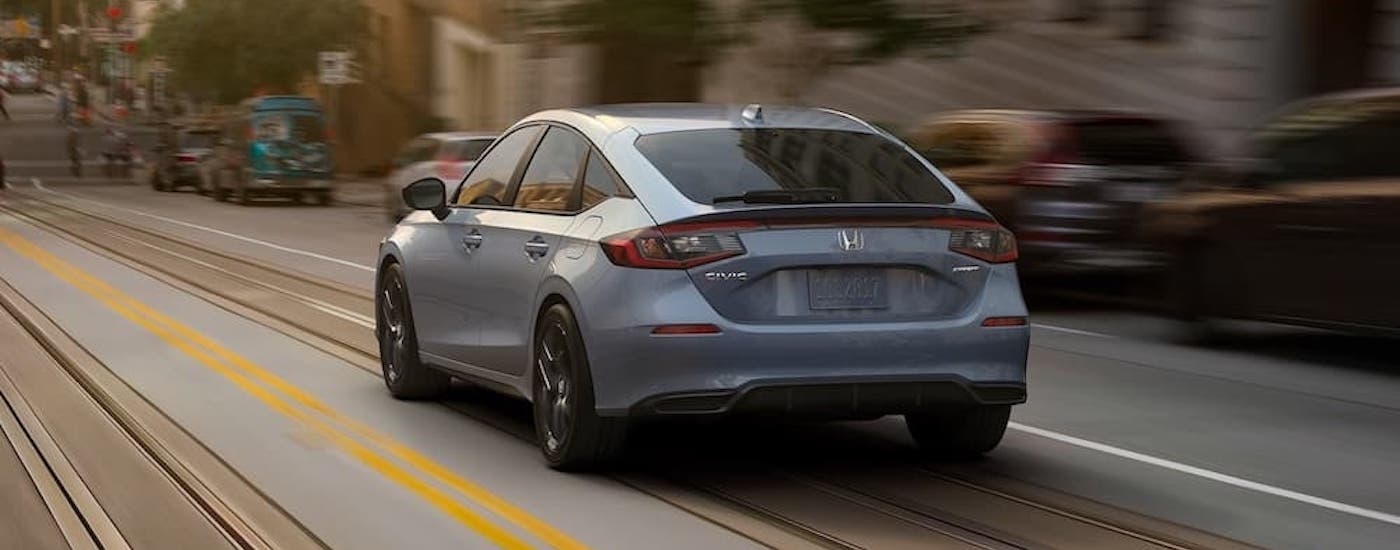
(1070,184)
(1305,230)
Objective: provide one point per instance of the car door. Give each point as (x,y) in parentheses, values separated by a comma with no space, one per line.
(1287,243)
(1351,222)
(443,286)
(520,244)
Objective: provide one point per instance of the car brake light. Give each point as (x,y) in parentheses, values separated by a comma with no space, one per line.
(983,240)
(676,246)
(1055,166)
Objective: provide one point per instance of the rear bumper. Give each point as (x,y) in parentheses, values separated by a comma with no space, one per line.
(836,398)
(835,370)
(1039,258)
(274,186)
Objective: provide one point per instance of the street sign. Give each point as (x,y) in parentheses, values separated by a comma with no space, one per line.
(335,68)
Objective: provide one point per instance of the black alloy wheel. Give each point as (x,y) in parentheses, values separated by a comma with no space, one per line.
(404,372)
(569,431)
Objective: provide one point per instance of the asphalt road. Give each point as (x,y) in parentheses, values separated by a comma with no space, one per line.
(1279,438)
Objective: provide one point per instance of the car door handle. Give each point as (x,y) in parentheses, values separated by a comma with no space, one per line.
(472,241)
(536,248)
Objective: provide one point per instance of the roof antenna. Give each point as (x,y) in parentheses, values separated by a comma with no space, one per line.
(753,113)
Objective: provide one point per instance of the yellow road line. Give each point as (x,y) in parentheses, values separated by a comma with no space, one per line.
(172,332)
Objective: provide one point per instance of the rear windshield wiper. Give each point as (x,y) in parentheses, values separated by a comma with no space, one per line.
(784,196)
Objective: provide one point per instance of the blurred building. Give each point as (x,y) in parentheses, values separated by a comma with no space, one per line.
(444,65)
(1222,64)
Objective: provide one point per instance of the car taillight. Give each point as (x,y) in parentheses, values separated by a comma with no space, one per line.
(985,241)
(677,246)
(1056,165)
(187,159)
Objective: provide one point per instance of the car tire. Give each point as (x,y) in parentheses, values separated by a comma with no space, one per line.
(405,375)
(157,183)
(959,432)
(570,433)
(1189,301)
(324,198)
(217,188)
(241,192)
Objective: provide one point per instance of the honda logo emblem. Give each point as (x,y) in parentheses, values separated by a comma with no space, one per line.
(850,239)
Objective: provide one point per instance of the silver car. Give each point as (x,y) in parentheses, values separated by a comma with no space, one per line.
(630,261)
(445,155)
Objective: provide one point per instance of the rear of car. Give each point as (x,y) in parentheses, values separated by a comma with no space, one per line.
(193,149)
(803,272)
(1074,185)
(635,261)
(446,156)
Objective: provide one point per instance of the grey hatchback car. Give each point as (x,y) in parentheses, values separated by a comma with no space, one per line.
(641,261)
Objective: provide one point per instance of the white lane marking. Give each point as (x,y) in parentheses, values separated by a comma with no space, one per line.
(324,307)
(1072,331)
(1210,475)
(39,185)
(1067,439)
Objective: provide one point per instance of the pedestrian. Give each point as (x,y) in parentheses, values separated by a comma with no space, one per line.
(75,158)
(4,96)
(64,105)
(84,101)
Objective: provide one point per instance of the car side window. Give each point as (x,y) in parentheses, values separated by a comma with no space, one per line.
(470,149)
(489,179)
(960,145)
(1368,147)
(598,182)
(415,151)
(549,180)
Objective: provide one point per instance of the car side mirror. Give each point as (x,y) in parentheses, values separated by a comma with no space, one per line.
(427,194)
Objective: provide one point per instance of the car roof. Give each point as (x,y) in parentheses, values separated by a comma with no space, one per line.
(1047,115)
(652,118)
(459,136)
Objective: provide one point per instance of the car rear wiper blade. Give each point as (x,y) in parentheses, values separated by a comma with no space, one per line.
(784,196)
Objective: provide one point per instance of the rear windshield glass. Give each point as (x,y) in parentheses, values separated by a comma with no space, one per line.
(1131,141)
(705,164)
(471,149)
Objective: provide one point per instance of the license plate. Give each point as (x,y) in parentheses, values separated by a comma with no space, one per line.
(847,289)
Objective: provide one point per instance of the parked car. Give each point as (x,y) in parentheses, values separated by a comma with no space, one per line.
(632,261)
(23,80)
(446,156)
(1070,184)
(273,146)
(182,165)
(1304,230)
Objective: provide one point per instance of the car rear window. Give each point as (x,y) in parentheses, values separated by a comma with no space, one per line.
(471,149)
(1129,141)
(859,167)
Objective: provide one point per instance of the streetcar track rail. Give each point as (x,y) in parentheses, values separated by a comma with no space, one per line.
(730,503)
(240,515)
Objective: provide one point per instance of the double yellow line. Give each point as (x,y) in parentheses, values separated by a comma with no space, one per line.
(375,450)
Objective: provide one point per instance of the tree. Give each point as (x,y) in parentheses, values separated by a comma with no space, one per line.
(801,40)
(229,49)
